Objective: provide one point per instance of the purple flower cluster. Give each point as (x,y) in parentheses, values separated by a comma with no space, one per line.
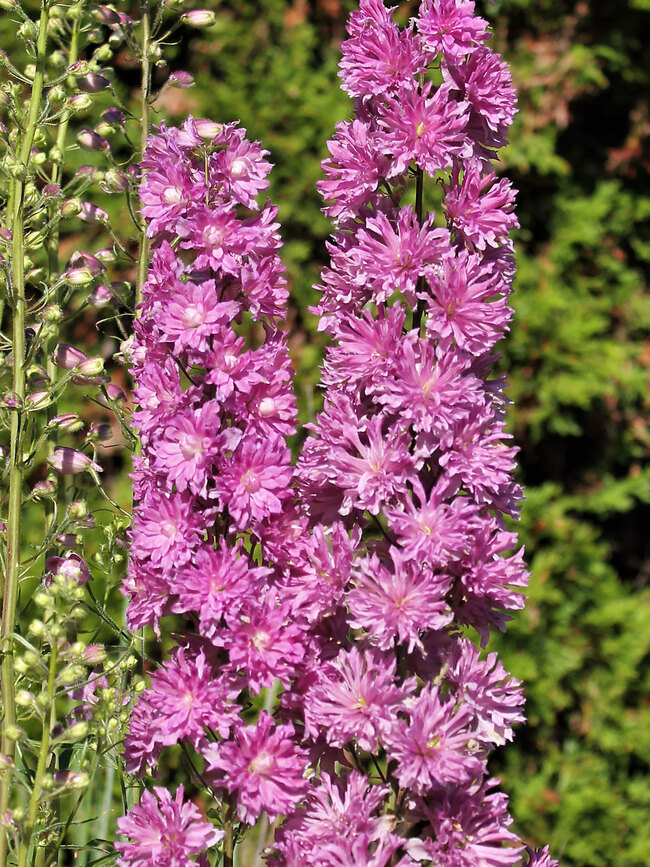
(408,474)
(349,586)
(213,412)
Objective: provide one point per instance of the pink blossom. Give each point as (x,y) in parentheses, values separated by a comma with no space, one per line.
(164,830)
(262,767)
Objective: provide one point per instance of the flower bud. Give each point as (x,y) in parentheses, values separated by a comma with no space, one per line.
(24,698)
(199,18)
(93,82)
(207,128)
(43,700)
(94,654)
(79,103)
(101,296)
(114,116)
(77,510)
(104,53)
(78,276)
(41,599)
(66,461)
(78,730)
(68,357)
(115,181)
(56,95)
(71,207)
(13,732)
(106,256)
(115,393)
(106,15)
(92,214)
(45,488)
(100,432)
(28,31)
(68,421)
(38,400)
(91,141)
(180,79)
(91,366)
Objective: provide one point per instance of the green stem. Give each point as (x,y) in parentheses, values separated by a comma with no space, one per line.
(41,768)
(9,587)
(228,823)
(419,212)
(145,119)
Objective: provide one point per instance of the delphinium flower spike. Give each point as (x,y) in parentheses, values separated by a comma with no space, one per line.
(213,410)
(408,475)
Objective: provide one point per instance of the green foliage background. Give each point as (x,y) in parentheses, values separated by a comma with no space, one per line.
(578,361)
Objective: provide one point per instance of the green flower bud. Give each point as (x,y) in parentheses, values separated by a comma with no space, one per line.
(14,733)
(57,95)
(78,612)
(104,53)
(47,782)
(71,207)
(56,156)
(43,700)
(78,730)
(37,627)
(18,815)
(28,31)
(24,698)
(41,599)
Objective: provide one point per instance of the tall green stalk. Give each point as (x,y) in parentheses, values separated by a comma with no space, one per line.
(10,584)
(145,120)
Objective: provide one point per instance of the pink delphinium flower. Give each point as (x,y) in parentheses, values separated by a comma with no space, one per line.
(164,830)
(262,767)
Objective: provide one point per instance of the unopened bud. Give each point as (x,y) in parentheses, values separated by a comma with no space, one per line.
(68,421)
(180,79)
(78,276)
(92,214)
(78,730)
(68,357)
(91,367)
(207,128)
(24,698)
(43,700)
(93,82)
(13,732)
(56,95)
(79,103)
(28,31)
(71,207)
(106,15)
(115,181)
(77,510)
(66,461)
(199,18)
(90,140)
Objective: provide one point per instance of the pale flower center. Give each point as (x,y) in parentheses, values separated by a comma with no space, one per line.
(194,316)
(250,481)
(213,236)
(173,195)
(191,446)
(168,528)
(263,764)
(238,168)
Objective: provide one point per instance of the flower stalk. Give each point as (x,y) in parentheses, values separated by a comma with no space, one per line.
(16,291)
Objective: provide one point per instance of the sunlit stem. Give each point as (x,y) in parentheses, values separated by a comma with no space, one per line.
(9,585)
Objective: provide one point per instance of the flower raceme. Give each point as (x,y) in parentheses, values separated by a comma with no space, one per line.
(348,585)
(213,412)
